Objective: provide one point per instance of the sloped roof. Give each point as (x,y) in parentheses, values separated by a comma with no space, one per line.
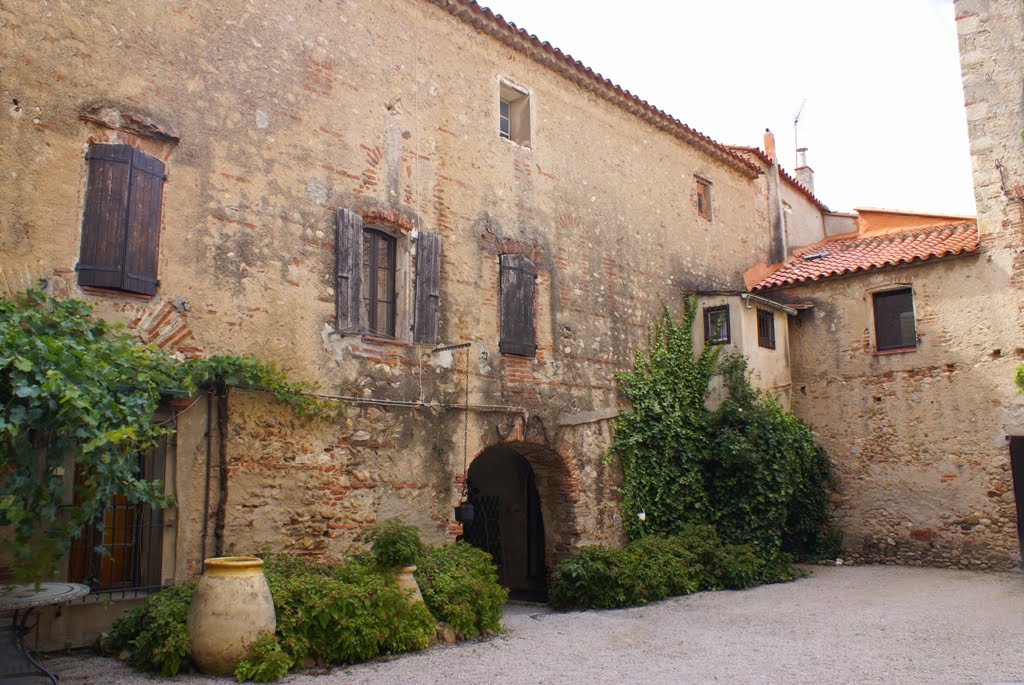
(846,255)
(766,160)
(494,25)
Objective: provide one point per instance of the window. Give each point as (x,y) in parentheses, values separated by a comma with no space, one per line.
(514,115)
(131,536)
(517,285)
(766,329)
(716,325)
(894,320)
(704,198)
(379,266)
(372,268)
(121,222)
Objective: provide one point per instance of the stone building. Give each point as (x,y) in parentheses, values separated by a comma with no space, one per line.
(896,369)
(462,244)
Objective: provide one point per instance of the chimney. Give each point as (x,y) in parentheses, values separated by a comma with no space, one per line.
(769,145)
(804,173)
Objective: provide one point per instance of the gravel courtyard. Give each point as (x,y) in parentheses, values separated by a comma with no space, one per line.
(871,624)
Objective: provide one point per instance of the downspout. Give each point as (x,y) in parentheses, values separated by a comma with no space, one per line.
(222,469)
(206,480)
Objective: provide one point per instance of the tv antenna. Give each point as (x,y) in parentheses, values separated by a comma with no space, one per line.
(796,140)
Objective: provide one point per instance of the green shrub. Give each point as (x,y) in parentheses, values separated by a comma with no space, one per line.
(653,568)
(750,468)
(155,632)
(335,621)
(393,544)
(460,587)
(266,662)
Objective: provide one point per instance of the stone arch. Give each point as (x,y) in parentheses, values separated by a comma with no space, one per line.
(556,486)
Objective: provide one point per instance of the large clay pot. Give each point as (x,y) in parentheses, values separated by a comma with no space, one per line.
(407,583)
(231,607)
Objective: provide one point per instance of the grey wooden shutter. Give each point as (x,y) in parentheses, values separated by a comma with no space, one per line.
(142,240)
(348,283)
(428,287)
(104,223)
(517,283)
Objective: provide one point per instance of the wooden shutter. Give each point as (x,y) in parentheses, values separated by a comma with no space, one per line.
(428,287)
(517,283)
(142,242)
(104,224)
(348,283)
(121,224)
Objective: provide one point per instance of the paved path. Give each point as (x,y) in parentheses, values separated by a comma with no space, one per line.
(870,624)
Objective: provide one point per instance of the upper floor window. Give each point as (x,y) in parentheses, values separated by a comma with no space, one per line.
(378,287)
(375,271)
(716,325)
(765,329)
(894,320)
(703,198)
(517,280)
(121,221)
(514,115)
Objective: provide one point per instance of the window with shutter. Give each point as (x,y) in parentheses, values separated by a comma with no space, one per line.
(517,326)
(894,320)
(121,222)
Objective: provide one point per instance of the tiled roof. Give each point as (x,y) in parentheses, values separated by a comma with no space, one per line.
(494,25)
(837,257)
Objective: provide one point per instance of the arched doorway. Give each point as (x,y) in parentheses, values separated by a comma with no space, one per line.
(507,521)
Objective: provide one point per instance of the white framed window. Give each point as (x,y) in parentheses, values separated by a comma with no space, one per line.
(514,114)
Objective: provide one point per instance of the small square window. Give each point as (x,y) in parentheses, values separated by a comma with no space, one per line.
(765,329)
(514,115)
(704,198)
(894,320)
(716,325)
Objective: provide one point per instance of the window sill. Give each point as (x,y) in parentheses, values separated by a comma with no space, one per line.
(372,339)
(897,350)
(104,292)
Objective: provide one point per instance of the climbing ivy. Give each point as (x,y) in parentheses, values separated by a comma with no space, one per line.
(78,397)
(749,468)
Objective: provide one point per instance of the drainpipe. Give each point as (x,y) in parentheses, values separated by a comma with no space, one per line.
(222,469)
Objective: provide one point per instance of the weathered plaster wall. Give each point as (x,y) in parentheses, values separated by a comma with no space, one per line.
(290,109)
(806,224)
(921,459)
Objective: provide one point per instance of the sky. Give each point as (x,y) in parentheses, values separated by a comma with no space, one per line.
(877,83)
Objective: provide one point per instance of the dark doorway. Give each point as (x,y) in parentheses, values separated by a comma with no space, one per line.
(1017,466)
(507,521)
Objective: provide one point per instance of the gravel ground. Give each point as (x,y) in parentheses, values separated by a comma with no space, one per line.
(870,624)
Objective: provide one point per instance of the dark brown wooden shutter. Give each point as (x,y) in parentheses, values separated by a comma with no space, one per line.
(428,287)
(517,282)
(104,223)
(350,269)
(142,242)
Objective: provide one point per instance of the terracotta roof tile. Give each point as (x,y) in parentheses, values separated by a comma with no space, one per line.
(833,257)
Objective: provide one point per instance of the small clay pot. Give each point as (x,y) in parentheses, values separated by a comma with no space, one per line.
(230,609)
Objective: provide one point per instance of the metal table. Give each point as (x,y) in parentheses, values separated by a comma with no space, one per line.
(20,601)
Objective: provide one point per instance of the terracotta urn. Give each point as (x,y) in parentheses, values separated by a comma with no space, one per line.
(407,583)
(231,607)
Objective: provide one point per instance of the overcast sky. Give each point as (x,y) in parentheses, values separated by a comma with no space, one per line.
(884,119)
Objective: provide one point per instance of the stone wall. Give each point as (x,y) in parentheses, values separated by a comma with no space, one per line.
(272,115)
(921,458)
